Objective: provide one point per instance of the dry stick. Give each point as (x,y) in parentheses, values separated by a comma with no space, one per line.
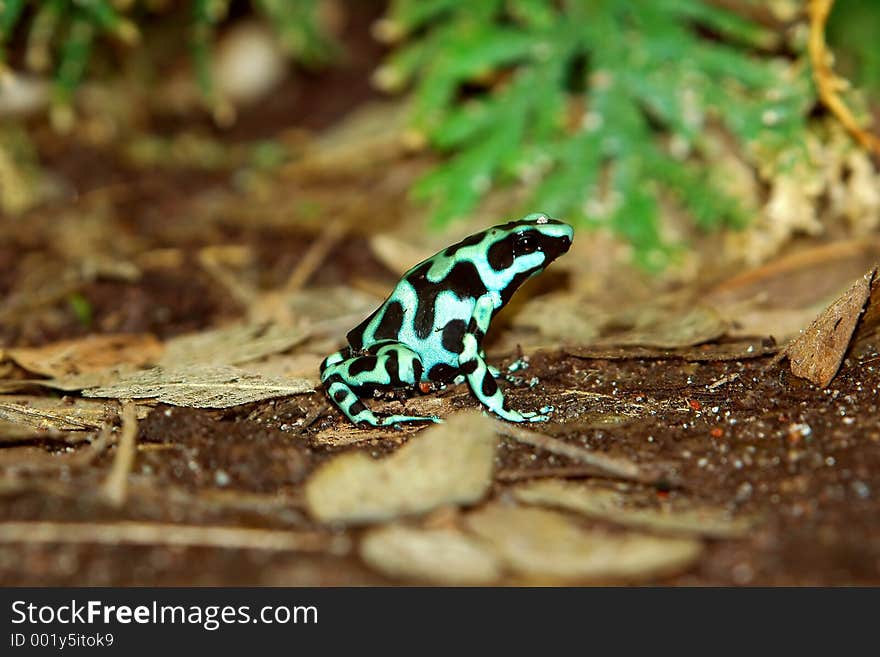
(115,485)
(317,253)
(165,534)
(96,448)
(242,293)
(314,415)
(606,465)
(10,410)
(827,82)
(563,472)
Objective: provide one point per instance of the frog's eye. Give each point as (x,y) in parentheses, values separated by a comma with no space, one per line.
(525,243)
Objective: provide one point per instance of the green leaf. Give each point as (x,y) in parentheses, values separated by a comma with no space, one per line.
(600,107)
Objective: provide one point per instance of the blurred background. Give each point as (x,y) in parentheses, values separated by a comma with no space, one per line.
(671,130)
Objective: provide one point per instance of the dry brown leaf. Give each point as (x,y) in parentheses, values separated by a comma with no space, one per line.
(299,365)
(90,354)
(13,432)
(868,325)
(231,345)
(562,317)
(396,254)
(611,505)
(447,464)
(817,353)
(658,327)
(59,414)
(329,303)
(543,543)
(784,295)
(443,556)
(201,387)
(738,350)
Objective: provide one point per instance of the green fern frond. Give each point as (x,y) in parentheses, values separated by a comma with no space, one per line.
(63,33)
(601,105)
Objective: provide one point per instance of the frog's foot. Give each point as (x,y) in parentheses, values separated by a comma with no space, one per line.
(542,415)
(387,365)
(391,420)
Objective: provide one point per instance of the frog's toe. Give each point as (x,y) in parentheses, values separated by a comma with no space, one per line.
(541,415)
(406,419)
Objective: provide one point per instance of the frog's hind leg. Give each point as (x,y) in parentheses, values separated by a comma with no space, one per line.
(386,364)
(480,376)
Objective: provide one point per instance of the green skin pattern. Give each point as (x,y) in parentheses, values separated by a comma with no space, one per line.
(430,329)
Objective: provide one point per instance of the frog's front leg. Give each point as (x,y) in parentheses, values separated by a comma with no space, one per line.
(387,364)
(480,376)
(494,371)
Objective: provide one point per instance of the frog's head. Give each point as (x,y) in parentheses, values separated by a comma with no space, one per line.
(521,249)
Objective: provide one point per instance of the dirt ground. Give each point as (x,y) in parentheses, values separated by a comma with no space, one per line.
(706,419)
(742,435)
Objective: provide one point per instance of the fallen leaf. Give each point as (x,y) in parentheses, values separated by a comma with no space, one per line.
(397,254)
(299,365)
(232,345)
(866,329)
(704,353)
(201,387)
(543,543)
(59,414)
(564,317)
(443,556)
(657,327)
(449,463)
(90,354)
(784,295)
(611,505)
(13,432)
(329,303)
(816,354)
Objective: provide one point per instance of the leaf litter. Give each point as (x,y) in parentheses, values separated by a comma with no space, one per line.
(200,387)
(547,544)
(451,463)
(441,556)
(603,503)
(94,353)
(59,414)
(817,353)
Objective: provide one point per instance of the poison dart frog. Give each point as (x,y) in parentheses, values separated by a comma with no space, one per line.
(430,329)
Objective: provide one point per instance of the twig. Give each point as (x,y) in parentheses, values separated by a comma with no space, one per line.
(827,83)
(150,533)
(115,485)
(19,414)
(210,258)
(316,412)
(317,253)
(95,449)
(563,472)
(608,466)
